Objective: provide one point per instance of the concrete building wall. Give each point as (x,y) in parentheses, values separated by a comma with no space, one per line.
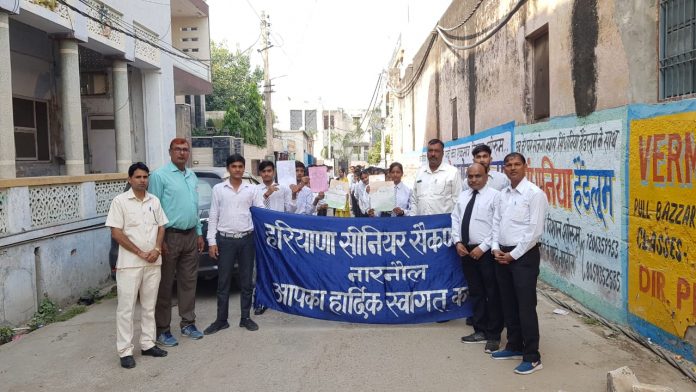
(188,40)
(616,165)
(592,66)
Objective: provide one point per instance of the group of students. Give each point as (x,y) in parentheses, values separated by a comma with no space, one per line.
(497,221)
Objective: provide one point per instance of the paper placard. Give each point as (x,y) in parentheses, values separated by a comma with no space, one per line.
(318,179)
(382,195)
(286,173)
(341,185)
(335,197)
(376,178)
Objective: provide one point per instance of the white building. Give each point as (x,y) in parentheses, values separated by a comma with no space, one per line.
(88,87)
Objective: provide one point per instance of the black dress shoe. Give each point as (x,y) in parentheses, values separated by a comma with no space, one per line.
(127,362)
(249,324)
(216,326)
(154,351)
(260,310)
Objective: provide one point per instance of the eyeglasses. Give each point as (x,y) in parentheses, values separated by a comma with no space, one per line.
(179,149)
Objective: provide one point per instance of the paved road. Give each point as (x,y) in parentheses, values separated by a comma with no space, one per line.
(292,353)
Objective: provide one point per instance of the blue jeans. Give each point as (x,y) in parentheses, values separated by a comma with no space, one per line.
(243,251)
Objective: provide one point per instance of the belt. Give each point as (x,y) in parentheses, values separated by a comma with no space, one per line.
(179,231)
(507,249)
(235,235)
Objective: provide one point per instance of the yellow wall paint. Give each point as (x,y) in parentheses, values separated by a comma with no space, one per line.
(662,212)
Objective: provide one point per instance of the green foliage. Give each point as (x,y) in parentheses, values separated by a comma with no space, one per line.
(46,314)
(236,91)
(387,144)
(374,155)
(70,313)
(6,334)
(209,123)
(50,313)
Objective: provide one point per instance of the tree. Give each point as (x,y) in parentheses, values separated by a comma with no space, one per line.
(236,91)
(374,155)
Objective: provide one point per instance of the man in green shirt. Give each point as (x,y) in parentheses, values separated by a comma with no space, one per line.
(175,186)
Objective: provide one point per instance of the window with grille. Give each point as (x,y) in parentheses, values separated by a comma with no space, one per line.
(295,120)
(677,48)
(310,120)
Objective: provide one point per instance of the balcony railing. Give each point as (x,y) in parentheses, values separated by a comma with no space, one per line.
(100,24)
(59,9)
(55,201)
(143,50)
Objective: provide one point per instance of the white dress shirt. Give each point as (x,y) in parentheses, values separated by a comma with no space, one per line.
(403,198)
(229,210)
(436,192)
(519,218)
(363,197)
(481,224)
(305,202)
(496,180)
(280,200)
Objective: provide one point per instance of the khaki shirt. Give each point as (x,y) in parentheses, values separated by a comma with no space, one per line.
(140,221)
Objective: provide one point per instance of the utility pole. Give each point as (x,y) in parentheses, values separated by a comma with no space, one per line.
(265,32)
(330,145)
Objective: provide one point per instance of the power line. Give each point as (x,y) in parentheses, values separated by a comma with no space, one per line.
(476,7)
(254,9)
(441,33)
(401,93)
(120,29)
(372,100)
(500,25)
(123,24)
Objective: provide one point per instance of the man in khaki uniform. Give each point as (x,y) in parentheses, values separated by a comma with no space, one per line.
(137,224)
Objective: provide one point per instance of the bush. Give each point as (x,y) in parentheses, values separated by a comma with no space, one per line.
(6,334)
(46,314)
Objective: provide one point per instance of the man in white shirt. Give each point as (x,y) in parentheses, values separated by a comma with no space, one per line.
(496,179)
(472,234)
(303,196)
(438,184)
(518,224)
(230,237)
(271,195)
(137,223)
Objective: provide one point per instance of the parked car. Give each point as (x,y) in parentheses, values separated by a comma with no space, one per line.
(208,177)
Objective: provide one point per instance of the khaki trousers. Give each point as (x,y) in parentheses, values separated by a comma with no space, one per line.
(131,282)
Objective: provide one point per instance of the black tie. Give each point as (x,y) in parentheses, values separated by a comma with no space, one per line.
(467,218)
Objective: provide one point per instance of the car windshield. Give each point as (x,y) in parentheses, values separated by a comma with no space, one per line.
(205,191)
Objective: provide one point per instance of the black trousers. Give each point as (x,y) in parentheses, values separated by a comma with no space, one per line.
(483,290)
(517,282)
(243,251)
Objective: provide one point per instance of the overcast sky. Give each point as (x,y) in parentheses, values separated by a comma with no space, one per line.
(326,48)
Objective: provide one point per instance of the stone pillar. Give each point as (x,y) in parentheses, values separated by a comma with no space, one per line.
(71,108)
(122,116)
(203,117)
(7,147)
